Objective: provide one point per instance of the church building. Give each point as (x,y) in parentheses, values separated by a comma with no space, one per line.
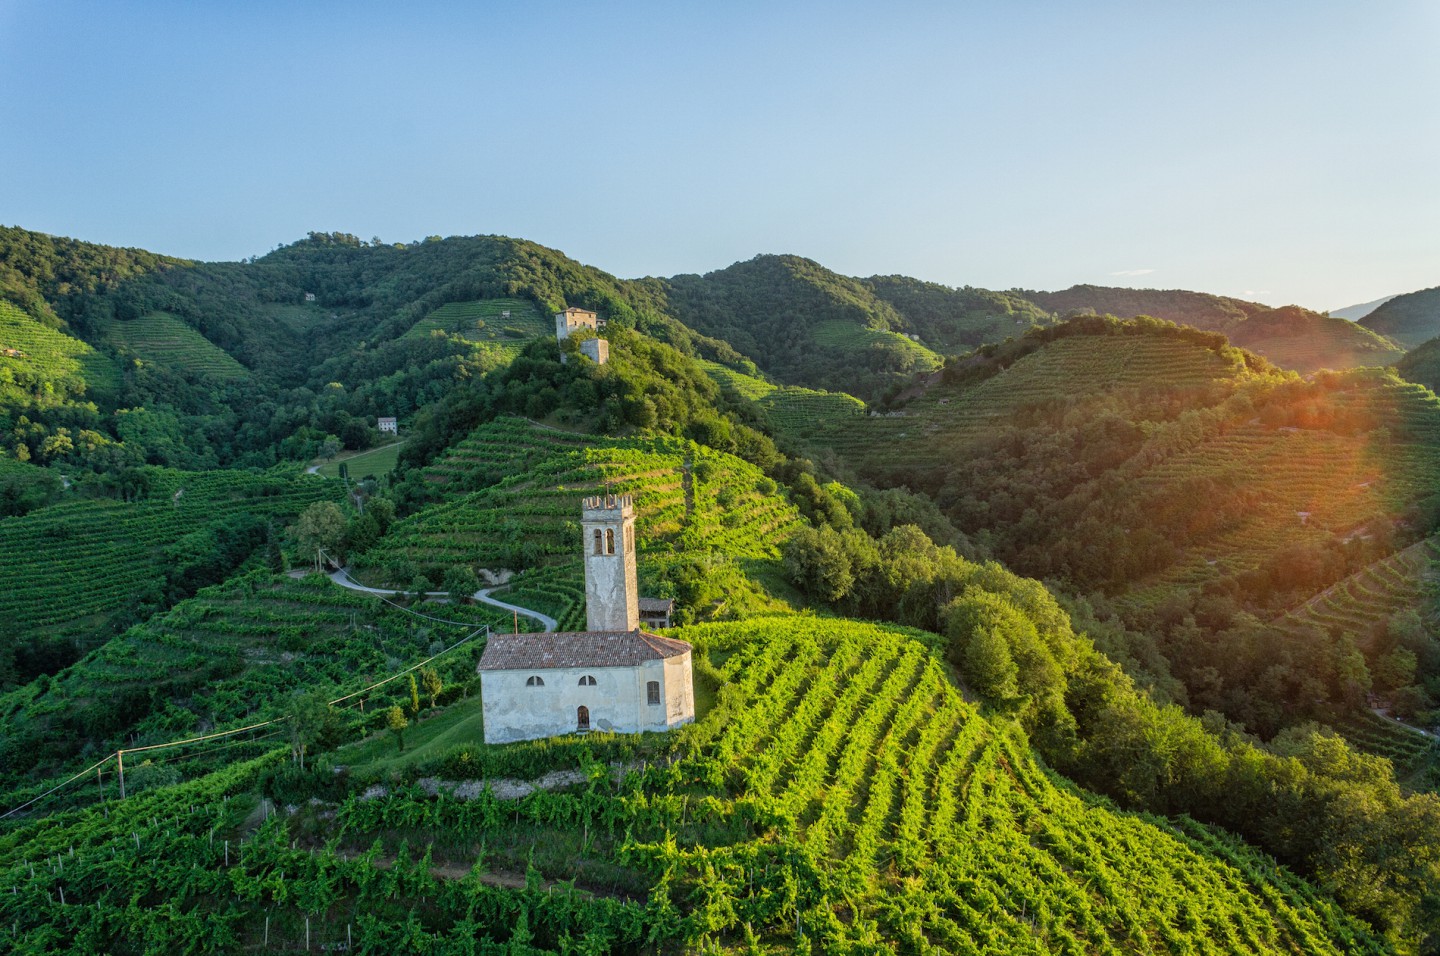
(613,677)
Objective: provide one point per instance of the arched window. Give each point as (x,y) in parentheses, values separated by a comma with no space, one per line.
(597,540)
(587,681)
(535,681)
(652,692)
(609,540)
(582,718)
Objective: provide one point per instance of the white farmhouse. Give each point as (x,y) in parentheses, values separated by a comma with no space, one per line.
(614,676)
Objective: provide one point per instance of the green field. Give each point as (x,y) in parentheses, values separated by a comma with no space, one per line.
(166,340)
(38,363)
(372,461)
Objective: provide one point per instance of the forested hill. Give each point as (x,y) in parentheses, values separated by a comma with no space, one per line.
(803,324)
(1290,336)
(1200,310)
(1411,318)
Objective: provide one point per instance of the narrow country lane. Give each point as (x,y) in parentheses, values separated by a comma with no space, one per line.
(547,623)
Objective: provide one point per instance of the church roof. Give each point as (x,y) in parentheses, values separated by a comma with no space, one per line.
(506,652)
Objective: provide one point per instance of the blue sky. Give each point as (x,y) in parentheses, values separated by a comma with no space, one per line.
(1286,152)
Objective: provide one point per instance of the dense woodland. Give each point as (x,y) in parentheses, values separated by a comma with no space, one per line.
(1134,589)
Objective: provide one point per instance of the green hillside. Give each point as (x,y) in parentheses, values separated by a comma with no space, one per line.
(234,651)
(1179,485)
(1409,319)
(43,366)
(57,280)
(488,320)
(1291,337)
(692,504)
(957,320)
(840,795)
(1422,364)
(802,323)
(1199,310)
(79,568)
(1234,559)
(1298,339)
(789,409)
(161,337)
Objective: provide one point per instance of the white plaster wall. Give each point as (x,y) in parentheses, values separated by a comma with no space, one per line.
(612,598)
(514,711)
(678,691)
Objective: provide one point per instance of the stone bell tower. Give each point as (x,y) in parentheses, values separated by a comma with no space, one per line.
(612,601)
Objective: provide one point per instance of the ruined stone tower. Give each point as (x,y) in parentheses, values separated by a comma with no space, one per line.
(612,601)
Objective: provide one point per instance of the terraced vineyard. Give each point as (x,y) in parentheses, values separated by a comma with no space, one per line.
(940,423)
(486,322)
(946,830)
(38,363)
(1416,758)
(557,590)
(72,564)
(1363,603)
(230,652)
(531,480)
(166,340)
(840,796)
(792,410)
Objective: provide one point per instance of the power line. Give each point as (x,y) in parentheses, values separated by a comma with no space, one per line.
(101,763)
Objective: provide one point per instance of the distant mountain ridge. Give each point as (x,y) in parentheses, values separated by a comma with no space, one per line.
(1410,319)
(1355,313)
(1290,336)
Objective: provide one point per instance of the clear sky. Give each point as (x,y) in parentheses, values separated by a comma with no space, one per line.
(1280,151)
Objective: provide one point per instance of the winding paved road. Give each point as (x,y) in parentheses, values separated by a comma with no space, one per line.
(342,577)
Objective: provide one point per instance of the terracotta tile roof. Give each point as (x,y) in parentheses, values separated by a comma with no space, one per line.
(657,604)
(577,649)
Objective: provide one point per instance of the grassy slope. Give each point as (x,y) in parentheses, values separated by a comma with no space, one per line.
(372,461)
(790,409)
(1422,364)
(802,323)
(957,320)
(840,791)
